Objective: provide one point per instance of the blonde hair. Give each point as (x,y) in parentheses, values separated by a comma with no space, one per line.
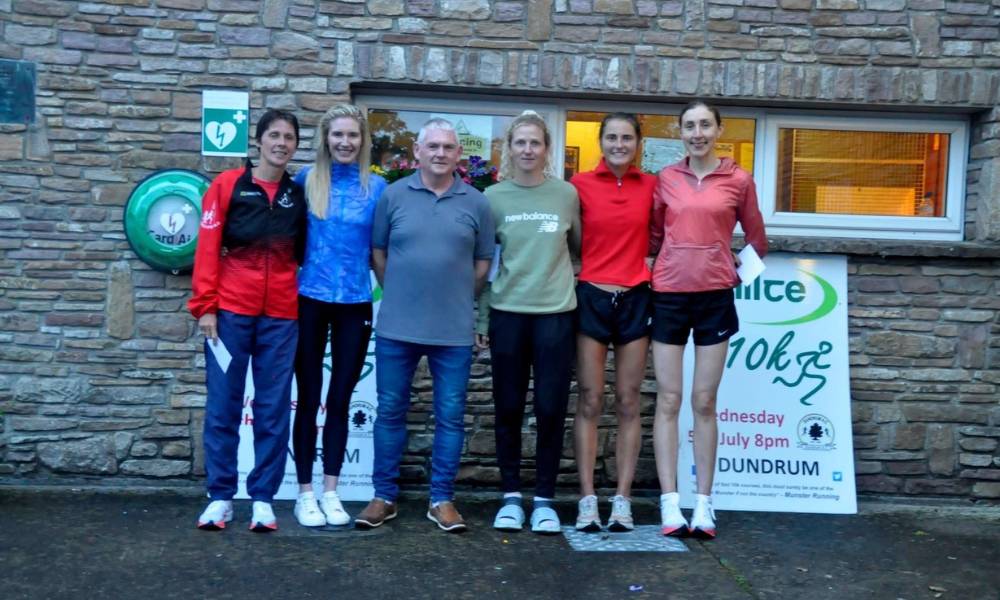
(528,117)
(318,180)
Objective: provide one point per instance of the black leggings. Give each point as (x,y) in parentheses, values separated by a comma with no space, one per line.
(349,327)
(519,344)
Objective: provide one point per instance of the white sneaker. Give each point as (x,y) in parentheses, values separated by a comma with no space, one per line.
(510,517)
(621,514)
(263,519)
(544,519)
(216,515)
(587,517)
(307,511)
(703,518)
(334,510)
(672,521)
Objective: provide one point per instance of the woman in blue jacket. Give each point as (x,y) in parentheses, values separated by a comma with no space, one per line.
(335,301)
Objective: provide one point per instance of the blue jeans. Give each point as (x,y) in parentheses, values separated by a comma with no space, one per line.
(395,362)
(271,344)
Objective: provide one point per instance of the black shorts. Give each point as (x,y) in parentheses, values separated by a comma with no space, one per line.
(712,316)
(613,317)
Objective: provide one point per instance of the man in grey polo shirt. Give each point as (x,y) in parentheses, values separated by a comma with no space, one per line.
(432,242)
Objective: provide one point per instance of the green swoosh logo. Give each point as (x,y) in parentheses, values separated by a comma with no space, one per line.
(825,307)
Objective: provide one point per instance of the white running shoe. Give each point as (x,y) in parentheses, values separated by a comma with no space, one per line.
(544,519)
(510,517)
(672,521)
(587,517)
(621,514)
(703,518)
(216,515)
(263,519)
(307,511)
(334,510)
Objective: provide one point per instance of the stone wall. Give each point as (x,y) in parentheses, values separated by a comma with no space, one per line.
(100,370)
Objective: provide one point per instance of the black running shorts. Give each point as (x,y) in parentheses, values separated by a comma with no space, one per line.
(613,317)
(712,316)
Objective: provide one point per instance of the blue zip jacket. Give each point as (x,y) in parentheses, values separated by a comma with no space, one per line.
(338,248)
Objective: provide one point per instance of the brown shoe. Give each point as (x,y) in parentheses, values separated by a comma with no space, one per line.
(447,517)
(377,512)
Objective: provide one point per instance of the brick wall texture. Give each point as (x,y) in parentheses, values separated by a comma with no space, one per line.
(101,374)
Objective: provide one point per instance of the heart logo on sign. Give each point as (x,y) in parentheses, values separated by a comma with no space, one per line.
(172,222)
(220,134)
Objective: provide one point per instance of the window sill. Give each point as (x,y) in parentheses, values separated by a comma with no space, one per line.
(882,248)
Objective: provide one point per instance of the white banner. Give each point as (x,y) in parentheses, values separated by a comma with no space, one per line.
(356,474)
(784,407)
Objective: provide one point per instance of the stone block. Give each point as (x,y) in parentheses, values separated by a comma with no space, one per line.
(977,444)
(92,456)
(940,449)
(156,467)
(120,312)
(988,474)
(40,424)
(122,441)
(986,489)
(288,44)
(177,449)
(165,432)
(950,487)
(48,391)
(176,327)
(478,474)
(275,13)
(894,343)
(473,10)
(909,436)
(882,484)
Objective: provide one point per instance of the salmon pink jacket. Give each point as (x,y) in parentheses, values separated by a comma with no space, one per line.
(692,226)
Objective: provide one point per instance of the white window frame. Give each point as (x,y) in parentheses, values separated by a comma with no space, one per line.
(950,227)
(946,228)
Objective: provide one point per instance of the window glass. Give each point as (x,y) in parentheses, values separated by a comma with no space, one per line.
(394,132)
(862,172)
(661,144)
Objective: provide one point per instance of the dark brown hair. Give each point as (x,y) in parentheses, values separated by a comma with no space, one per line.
(696,104)
(273,115)
(620,116)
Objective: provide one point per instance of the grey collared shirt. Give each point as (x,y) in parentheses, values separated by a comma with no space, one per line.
(431,244)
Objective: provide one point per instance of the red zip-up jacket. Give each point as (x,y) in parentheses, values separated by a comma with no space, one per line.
(614,225)
(263,241)
(692,228)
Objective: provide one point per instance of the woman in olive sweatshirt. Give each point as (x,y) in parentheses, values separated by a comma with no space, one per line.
(529,309)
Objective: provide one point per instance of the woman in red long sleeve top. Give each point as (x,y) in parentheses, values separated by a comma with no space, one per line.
(245,297)
(613,308)
(697,203)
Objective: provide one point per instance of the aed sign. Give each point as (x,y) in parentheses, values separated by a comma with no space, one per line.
(162,218)
(225,123)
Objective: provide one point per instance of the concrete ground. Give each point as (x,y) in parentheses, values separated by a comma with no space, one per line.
(80,544)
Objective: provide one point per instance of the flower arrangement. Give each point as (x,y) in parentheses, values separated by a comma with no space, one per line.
(397,169)
(478,173)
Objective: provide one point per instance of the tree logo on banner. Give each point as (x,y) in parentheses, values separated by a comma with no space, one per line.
(362,418)
(816,433)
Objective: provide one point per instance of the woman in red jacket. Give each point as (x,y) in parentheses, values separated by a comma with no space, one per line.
(697,203)
(613,308)
(245,297)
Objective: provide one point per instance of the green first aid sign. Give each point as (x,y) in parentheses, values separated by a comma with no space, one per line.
(225,123)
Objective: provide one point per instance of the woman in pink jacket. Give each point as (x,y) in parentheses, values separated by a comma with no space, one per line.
(696,206)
